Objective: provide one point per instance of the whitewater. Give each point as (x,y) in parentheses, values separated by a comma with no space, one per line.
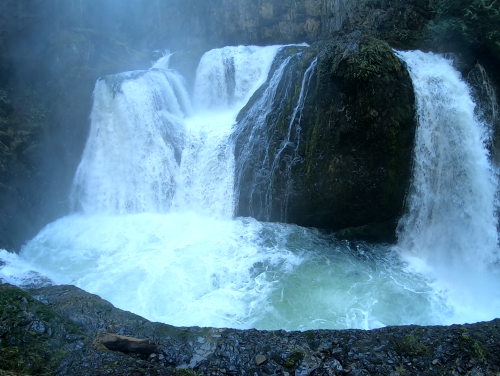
(153,228)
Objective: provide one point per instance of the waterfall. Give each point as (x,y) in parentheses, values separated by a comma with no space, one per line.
(148,152)
(164,61)
(260,159)
(451,222)
(292,139)
(153,229)
(225,80)
(228,77)
(256,123)
(131,160)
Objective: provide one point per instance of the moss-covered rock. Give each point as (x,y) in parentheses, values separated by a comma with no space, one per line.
(33,338)
(347,162)
(358,139)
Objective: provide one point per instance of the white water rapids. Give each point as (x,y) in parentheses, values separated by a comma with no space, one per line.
(153,232)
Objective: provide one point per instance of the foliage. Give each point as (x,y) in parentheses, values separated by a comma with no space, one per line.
(23,118)
(473,21)
(294,359)
(473,346)
(4,98)
(410,346)
(374,58)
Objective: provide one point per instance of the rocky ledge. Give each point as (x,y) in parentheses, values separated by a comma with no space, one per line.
(62,330)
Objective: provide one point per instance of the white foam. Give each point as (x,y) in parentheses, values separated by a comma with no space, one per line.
(19,272)
(450,233)
(137,134)
(228,76)
(189,269)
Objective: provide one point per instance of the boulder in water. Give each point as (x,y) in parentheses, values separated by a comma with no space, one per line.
(347,162)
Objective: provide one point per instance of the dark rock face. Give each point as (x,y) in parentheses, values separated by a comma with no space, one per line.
(487,109)
(401,22)
(358,148)
(347,164)
(55,335)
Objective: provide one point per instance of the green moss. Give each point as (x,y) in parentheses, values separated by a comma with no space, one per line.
(474,22)
(400,371)
(294,359)
(283,122)
(28,347)
(473,346)
(309,335)
(312,143)
(410,346)
(374,58)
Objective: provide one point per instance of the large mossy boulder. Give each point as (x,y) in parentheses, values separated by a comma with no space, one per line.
(352,152)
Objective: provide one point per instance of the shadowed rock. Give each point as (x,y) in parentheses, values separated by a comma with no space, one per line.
(126,345)
(53,337)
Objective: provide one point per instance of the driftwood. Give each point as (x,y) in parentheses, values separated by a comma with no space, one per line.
(126,344)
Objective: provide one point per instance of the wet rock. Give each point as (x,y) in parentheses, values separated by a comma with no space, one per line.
(127,344)
(342,159)
(260,359)
(71,313)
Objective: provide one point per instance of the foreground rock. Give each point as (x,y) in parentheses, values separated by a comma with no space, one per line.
(127,345)
(56,335)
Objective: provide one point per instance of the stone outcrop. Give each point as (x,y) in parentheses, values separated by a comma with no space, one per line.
(53,335)
(350,146)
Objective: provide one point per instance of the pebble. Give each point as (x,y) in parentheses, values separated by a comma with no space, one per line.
(260,359)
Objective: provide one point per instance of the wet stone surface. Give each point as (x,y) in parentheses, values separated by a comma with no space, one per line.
(57,326)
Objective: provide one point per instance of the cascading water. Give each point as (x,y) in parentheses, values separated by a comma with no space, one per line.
(451,225)
(255,122)
(256,167)
(137,127)
(293,137)
(154,232)
(226,79)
